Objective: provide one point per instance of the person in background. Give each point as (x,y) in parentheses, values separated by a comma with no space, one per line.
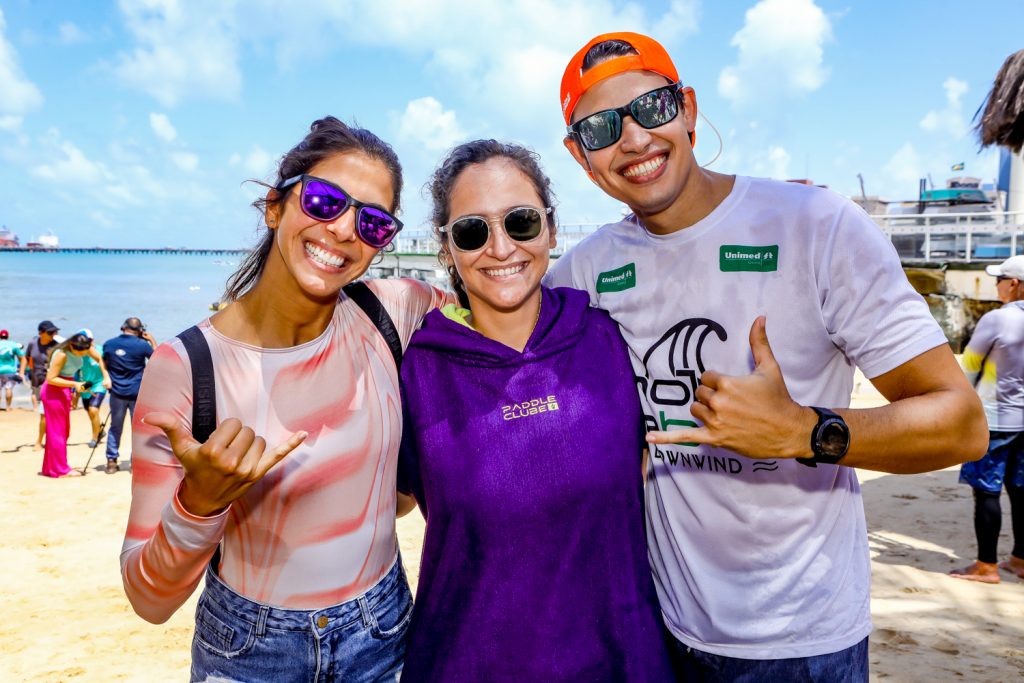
(65,360)
(37,358)
(125,356)
(93,393)
(994,362)
(11,375)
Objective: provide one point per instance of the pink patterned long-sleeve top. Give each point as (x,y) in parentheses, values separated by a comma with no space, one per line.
(319,528)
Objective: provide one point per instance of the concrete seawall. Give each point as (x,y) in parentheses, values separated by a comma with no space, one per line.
(958,295)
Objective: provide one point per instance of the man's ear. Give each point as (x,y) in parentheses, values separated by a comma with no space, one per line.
(578,154)
(690,113)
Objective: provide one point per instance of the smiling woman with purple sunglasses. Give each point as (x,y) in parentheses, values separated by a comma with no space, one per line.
(288,507)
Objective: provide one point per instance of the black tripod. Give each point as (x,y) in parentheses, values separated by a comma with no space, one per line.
(103,429)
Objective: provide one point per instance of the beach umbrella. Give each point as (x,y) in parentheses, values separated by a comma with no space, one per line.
(1002,114)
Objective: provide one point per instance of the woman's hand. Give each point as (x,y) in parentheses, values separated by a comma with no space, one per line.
(221,470)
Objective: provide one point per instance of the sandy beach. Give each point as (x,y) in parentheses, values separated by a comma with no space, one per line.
(67,618)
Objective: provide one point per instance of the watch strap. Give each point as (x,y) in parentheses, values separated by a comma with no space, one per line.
(823,414)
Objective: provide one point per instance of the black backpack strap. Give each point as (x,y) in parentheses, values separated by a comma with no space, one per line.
(204,387)
(204,397)
(374,310)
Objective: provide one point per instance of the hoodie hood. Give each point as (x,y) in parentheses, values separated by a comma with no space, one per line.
(560,325)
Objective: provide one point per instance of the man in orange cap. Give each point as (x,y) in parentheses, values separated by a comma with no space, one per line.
(756,524)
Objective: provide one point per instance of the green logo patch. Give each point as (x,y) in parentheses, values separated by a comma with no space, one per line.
(618,279)
(736,257)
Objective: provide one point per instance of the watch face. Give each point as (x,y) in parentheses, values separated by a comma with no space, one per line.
(833,439)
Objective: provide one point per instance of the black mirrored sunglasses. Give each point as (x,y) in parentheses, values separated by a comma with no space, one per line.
(324,201)
(650,110)
(522,224)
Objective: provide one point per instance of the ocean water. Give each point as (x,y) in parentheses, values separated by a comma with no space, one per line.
(169,292)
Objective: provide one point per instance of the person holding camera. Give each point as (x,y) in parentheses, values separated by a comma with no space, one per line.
(65,360)
(125,356)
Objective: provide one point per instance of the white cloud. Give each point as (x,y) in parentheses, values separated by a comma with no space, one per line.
(102,219)
(69,34)
(428,123)
(161,125)
(186,161)
(507,56)
(950,120)
(772,163)
(184,49)
(780,52)
(20,95)
(903,170)
(681,21)
(256,161)
(69,165)
(10,123)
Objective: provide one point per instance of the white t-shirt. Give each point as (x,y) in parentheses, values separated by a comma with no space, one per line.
(756,558)
(998,345)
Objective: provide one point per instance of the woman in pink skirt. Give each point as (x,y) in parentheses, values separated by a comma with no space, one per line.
(65,361)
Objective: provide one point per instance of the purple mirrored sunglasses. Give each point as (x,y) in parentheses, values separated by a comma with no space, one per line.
(324,201)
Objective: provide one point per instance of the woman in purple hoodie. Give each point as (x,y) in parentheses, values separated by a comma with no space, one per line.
(522,445)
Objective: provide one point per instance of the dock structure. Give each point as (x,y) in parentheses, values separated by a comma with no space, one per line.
(943,255)
(927,238)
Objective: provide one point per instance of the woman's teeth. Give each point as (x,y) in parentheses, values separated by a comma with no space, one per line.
(321,256)
(649,166)
(502,272)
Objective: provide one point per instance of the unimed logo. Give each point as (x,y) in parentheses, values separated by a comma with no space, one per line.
(618,279)
(736,257)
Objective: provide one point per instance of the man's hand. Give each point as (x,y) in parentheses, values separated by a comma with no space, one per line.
(221,470)
(752,415)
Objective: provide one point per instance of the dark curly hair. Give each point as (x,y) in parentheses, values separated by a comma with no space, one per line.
(442,182)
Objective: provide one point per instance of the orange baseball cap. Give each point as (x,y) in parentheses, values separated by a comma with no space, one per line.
(652,57)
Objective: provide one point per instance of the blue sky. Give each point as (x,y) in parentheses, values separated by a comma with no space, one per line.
(135,123)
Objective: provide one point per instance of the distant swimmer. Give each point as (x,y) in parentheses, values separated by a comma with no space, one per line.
(755,517)
(994,362)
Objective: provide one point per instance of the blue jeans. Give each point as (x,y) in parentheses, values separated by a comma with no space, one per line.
(846,666)
(118,407)
(363,639)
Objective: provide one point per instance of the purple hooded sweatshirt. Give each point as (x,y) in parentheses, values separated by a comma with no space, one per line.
(527,468)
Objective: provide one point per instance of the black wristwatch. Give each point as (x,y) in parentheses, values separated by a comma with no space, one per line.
(830,439)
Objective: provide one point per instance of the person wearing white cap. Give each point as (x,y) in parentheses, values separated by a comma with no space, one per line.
(65,360)
(994,361)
